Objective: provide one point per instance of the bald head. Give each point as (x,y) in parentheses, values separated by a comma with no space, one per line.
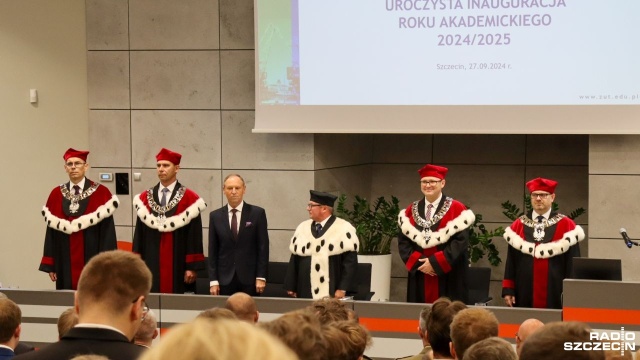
(527,328)
(243,306)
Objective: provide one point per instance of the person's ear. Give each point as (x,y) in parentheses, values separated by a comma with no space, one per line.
(16,334)
(256,317)
(155,333)
(76,306)
(452,350)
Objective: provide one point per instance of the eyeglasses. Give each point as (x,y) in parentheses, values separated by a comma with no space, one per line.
(429,182)
(145,308)
(541,196)
(309,206)
(74,164)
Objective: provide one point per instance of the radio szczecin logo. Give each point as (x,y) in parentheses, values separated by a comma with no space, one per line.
(605,340)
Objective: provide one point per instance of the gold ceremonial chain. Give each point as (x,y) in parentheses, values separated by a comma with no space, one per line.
(161,210)
(426,232)
(538,227)
(75,199)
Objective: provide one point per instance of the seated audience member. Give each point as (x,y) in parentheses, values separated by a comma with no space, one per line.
(346,340)
(438,326)
(548,343)
(10,320)
(67,320)
(90,357)
(527,328)
(22,347)
(148,330)
(470,326)
(301,331)
(243,306)
(493,348)
(217,313)
(329,310)
(422,332)
(220,340)
(110,302)
(612,354)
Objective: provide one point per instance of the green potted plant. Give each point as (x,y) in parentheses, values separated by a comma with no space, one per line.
(376,226)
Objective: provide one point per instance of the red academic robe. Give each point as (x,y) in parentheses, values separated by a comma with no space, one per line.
(174,246)
(72,239)
(447,251)
(534,270)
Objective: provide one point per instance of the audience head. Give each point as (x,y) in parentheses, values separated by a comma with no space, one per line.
(422,325)
(301,331)
(217,313)
(10,320)
(493,348)
(67,320)
(527,328)
(352,315)
(112,291)
(218,340)
(612,354)
(3,296)
(438,323)
(329,310)
(243,306)
(346,340)
(90,357)
(548,342)
(148,330)
(470,326)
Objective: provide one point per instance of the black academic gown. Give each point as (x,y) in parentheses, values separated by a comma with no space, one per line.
(448,253)
(169,253)
(535,277)
(72,239)
(342,267)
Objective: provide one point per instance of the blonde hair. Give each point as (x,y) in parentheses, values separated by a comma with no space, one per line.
(67,320)
(222,339)
(301,331)
(346,340)
(217,313)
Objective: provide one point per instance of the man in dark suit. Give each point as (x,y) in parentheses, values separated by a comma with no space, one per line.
(110,303)
(238,243)
(10,319)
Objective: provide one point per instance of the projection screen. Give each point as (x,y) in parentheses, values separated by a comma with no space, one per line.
(448,66)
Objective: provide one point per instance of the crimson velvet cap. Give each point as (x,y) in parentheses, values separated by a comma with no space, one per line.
(75,153)
(439,172)
(541,184)
(168,155)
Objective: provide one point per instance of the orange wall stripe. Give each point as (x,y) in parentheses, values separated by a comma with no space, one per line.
(390,325)
(411,326)
(508,331)
(605,316)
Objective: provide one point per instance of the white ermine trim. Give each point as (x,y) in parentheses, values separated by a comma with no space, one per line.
(463,221)
(85,221)
(548,250)
(171,223)
(339,238)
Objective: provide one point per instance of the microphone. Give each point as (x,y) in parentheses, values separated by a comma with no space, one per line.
(626,238)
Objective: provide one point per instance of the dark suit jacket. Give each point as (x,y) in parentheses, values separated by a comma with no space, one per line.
(6,354)
(96,341)
(248,256)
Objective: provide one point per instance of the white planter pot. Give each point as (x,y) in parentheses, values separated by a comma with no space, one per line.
(380,275)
